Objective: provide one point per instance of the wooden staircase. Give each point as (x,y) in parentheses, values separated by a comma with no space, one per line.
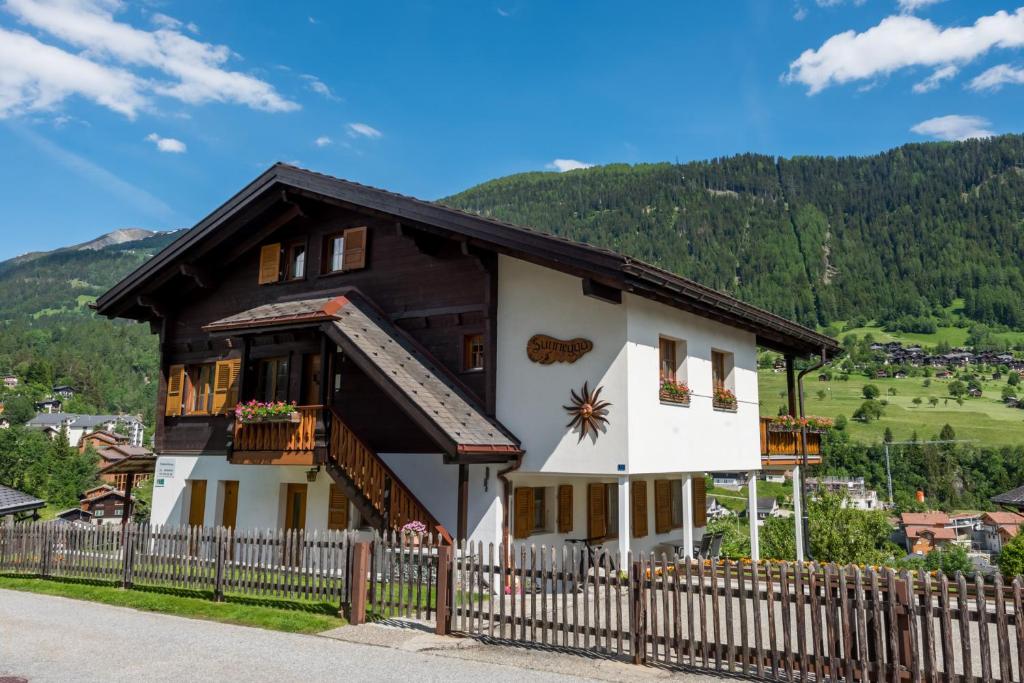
(383,500)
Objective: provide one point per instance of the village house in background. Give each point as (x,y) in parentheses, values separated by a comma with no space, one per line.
(495,381)
(997,528)
(924,531)
(855,493)
(105,504)
(10,381)
(77,426)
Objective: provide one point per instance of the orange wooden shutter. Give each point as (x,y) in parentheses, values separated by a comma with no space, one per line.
(638,492)
(564,508)
(700,501)
(354,255)
(175,385)
(337,510)
(270,263)
(524,512)
(597,518)
(236,368)
(662,506)
(221,386)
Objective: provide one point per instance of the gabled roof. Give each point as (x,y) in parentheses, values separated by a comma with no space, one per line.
(937,519)
(1012,497)
(13,501)
(426,390)
(257,200)
(938,533)
(1001,518)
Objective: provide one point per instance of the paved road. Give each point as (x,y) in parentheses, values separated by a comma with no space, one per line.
(44,638)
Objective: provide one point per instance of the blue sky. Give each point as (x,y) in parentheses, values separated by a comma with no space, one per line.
(118,114)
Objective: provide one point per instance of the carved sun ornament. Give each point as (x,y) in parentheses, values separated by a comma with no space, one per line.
(588,413)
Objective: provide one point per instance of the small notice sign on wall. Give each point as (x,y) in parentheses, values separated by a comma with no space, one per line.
(164,470)
(547,350)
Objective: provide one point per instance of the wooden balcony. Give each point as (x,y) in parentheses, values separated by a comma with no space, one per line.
(278,443)
(783,449)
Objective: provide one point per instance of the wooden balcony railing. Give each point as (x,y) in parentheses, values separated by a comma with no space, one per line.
(784,448)
(373,477)
(277,443)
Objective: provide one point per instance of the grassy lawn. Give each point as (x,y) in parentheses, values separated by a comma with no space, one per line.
(737,500)
(277,615)
(985,419)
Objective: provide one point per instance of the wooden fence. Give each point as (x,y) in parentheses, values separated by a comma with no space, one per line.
(770,621)
(776,621)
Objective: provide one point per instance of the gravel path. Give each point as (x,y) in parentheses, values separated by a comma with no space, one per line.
(45,638)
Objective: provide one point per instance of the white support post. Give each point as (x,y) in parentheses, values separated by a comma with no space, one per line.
(798,513)
(755,541)
(624,509)
(688,515)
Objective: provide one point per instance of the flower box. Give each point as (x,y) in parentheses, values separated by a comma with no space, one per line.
(724,399)
(674,392)
(258,412)
(773,427)
(812,423)
(291,418)
(724,405)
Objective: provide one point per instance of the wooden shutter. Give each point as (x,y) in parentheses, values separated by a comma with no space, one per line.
(175,389)
(236,369)
(662,506)
(354,255)
(337,510)
(565,508)
(700,501)
(222,372)
(523,512)
(270,263)
(597,517)
(638,494)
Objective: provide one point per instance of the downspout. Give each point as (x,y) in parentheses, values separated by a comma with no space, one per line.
(803,446)
(506,489)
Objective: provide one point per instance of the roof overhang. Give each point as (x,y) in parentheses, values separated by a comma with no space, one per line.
(133,464)
(271,199)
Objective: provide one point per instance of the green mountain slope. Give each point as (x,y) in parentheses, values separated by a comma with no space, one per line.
(817,239)
(49,335)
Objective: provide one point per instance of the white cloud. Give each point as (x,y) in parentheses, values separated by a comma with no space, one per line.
(996,77)
(563,165)
(164,21)
(312,20)
(503,12)
(836,3)
(800,13)
(910,6)
(186,69)
(954,127)
(167,144)
(363,130)
(36,76)
(900,42)
(943,73)
(322,141)
(319,87)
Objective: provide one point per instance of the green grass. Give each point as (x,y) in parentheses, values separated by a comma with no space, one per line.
(985,419)
(277,615)
(737,500)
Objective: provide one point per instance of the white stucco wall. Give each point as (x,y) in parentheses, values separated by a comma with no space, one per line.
(435,484)
(535,300)
(260,492)
(694,438)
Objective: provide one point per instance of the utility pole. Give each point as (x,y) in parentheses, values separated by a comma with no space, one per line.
(888,468)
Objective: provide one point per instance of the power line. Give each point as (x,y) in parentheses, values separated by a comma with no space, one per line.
(888,469)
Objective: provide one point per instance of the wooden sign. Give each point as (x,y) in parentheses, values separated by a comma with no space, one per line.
(547,350)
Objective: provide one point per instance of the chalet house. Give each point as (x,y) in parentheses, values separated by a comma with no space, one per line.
(766,507)
(924,531)
(493,380)
(75,516)
(1012,498)
(101,438)
(78,426)
(64,391)
(114,454)
(49,405)
(104,503)
(729,480)
(9,381)
(856,494)
(996,529)
(716,510)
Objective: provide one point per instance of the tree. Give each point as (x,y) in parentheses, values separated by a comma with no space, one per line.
(933,401)
(868,411)
(1013,379)
(887,436)
(949,559)
(778,538)
(870,391)
(1008,392)
(840,422)
(916,400)
(847,535)
(927,382)
(947,433)
(1011,557)
(957,388)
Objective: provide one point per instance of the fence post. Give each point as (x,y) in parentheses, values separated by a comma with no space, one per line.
(443,611)
(44,551)
(218,569)
(127,556)
(904,613)
(357,583)
(638,628)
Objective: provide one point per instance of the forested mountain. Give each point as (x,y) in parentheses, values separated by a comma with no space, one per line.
(49,335)
(816,239)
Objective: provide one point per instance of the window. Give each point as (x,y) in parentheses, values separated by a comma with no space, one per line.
(668,505)
(540,513)
(296,261)
(272,384)
(676,491)
(119,511)
(97,512)
(721,368)
(200,399)
(667,359)
(473,352)
(334,250)
(344,251)
(611,494)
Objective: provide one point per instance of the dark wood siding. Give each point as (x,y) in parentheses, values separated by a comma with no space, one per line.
(432,288)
